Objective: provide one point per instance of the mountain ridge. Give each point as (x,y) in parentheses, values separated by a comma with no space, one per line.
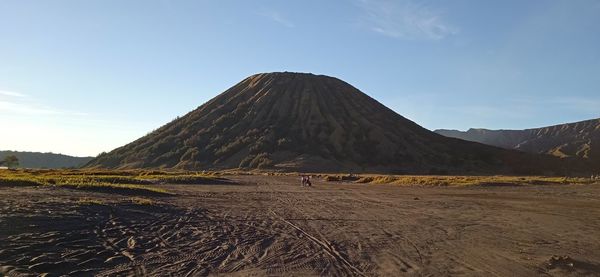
(45,160)
(307,122)
(576,139)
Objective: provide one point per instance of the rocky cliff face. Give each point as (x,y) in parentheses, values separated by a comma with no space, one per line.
(579,139)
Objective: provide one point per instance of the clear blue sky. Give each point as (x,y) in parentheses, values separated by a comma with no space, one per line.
(82,77)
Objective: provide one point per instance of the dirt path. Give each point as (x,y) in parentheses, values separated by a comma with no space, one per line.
(272,226)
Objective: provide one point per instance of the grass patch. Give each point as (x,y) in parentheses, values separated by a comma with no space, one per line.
(122,182)
(127,189)
(142,201)
(340,178)
(19,181)
(470,180)
(128,182)
(192,180)
(89,201)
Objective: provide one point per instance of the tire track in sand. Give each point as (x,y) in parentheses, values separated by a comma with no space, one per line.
(325,246)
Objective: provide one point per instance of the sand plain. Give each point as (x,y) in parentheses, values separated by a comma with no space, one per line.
(271,226)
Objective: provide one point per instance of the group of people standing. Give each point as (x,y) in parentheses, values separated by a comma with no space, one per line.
(306,181)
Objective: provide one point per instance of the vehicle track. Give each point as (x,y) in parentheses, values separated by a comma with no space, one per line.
(280,229)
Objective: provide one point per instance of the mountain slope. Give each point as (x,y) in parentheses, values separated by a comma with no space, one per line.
(46,160)
(306,122)
(579,139)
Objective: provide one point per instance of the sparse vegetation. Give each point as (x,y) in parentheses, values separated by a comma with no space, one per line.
(130,182)
(261,161)
(409,180)
(124,182)
(117,188)
(89,201)
(191,179)
(338,178)
(298,122)
(19,181)
(142,201)
(246,161)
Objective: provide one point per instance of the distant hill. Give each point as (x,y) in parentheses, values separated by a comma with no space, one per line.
(305,122)
(579,139)
(46,160)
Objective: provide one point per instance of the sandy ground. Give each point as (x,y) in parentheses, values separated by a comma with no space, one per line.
(272,226)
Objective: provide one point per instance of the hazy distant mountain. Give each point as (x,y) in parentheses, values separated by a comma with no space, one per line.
(306,122)
(579,139)
(46,160)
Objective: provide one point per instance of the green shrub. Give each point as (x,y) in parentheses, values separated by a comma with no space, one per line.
(192,180)
(246,161)
(331,178)
(20,182)
(265,163)
(142,201)
(261,161)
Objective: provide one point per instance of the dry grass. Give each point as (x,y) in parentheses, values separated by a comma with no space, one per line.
(338,178)
(142,201)
(123,182)
(140,182)
(19,181)
(89,201)
(188,179)
(470,180)
(118,188)
(110,181)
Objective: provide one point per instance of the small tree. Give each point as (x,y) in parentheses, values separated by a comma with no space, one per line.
(11,161)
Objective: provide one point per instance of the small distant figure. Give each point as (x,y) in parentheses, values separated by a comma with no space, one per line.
(306,181)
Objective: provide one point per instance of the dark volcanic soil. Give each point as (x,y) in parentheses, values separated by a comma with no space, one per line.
(299,122)
(272,226)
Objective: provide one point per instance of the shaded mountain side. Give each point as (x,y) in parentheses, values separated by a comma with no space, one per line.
(306,122)
(501,138)
(46,160)
(579,139)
